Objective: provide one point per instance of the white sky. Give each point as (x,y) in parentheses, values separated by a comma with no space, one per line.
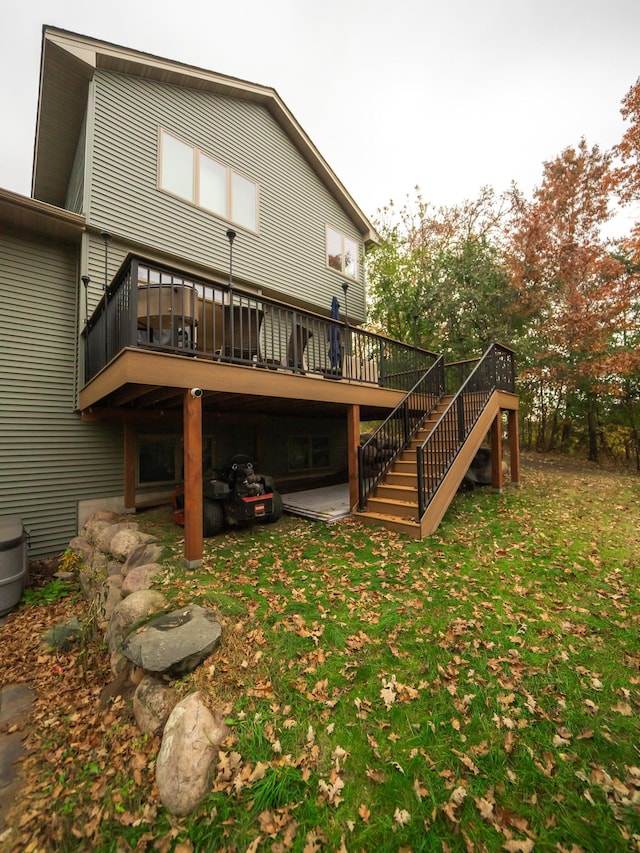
(450,95)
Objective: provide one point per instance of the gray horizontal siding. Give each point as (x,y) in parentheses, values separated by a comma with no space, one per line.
(287,257)
(49,458)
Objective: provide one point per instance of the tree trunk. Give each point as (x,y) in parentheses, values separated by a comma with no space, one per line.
(592,423)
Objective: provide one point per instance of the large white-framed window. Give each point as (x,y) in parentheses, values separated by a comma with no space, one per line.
(184,170)
(342,253)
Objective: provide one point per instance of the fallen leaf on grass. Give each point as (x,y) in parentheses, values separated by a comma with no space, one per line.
(331,790)
(388,695)
(516,845)
(485,807)
(401,816)
(623,708)
(375,775)
(468,763)
(456,799)
(420,790)
(364,813)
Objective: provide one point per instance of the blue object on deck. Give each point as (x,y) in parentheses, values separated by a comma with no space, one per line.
(333,334)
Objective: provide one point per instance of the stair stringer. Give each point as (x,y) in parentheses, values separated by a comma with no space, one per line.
(449,486)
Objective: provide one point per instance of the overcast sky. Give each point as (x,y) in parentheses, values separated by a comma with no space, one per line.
(449,95)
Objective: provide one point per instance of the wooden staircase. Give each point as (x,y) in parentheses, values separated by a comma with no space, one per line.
(394,502)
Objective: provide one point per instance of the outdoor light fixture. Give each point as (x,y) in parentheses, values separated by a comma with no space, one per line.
(85,280)
(231,236)
(345,287)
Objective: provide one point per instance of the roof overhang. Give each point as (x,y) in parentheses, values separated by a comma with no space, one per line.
(68,63)
(21,214)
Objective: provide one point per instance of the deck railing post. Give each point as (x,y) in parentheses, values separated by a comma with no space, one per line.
(361,489)
(460,411)
(420,473)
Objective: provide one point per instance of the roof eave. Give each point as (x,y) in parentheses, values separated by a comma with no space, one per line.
(75,58)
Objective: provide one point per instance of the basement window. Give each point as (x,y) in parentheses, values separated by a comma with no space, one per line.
(159,460)
(308,452)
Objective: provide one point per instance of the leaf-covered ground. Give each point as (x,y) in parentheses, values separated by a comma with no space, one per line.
(476,691)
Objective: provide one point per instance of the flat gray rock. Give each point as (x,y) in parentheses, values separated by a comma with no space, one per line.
(174,643)
(16,701)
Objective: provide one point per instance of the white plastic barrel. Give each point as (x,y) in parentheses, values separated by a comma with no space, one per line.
(13,561)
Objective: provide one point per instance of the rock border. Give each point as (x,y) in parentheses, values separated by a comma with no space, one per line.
(118,565)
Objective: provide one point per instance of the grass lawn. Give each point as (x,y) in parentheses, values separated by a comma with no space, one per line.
(475,691)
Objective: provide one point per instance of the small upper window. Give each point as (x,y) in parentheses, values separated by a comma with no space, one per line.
(189,173)
(342,253)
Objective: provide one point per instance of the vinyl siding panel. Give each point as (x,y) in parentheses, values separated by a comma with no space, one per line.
(49,458)
(75,191)
(286,258)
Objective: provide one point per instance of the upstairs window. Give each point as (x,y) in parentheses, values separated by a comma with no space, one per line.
(342,253)
(189,173)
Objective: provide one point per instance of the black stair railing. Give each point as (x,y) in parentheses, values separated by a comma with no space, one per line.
(378,452)
(434,457)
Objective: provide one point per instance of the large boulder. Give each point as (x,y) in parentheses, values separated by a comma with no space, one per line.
(80,545)
(190,744)
(131,610)
(140,578)
(125,542)
(111,596)
(153,701)
(174,643)
(105,537)
(142,555)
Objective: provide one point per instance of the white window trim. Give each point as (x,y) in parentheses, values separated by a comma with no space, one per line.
(194,201)
(343,237)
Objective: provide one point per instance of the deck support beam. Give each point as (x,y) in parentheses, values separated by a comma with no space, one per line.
(353,441)
(129,467)
(497,478)
(193,540)
(514,447)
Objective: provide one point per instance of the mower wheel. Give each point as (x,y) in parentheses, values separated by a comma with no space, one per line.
(212,517)
(277,509)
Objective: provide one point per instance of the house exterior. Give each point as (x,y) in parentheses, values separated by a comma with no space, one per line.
(186,283)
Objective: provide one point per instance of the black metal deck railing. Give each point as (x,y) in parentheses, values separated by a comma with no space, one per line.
(494,371)
(154,307)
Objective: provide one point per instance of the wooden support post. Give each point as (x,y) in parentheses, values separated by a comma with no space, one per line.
(353,441)
(192,410)
(514,447)
(130,468)
(496,453)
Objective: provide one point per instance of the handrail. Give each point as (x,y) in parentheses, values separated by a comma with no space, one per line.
(495,370)
(155,307)
(379,451)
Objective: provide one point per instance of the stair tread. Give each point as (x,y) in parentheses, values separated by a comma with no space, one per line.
(384,517)
(394,501)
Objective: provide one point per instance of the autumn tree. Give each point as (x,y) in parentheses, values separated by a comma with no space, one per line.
(565,279)
(438,279)
(624,372)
